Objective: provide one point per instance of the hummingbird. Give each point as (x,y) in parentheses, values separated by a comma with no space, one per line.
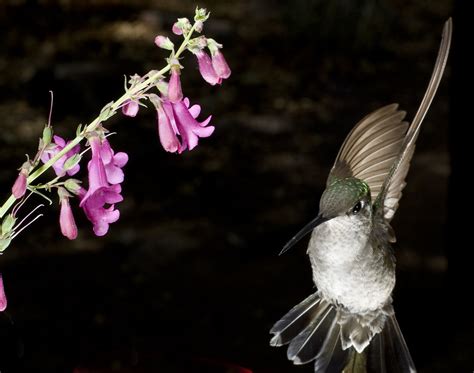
(349,323)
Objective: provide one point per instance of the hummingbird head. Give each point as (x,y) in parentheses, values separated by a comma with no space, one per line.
(347,198)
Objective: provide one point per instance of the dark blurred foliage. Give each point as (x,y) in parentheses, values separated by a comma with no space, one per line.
(189,279)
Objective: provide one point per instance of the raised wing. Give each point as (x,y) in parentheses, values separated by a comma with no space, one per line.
(372,146)
(391,190)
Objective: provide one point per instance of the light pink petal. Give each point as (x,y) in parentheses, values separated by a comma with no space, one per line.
(186,101)
(114,174)
(206,121)
(106,152)
(130,109)
(204,131)
(120,159)
(194,110)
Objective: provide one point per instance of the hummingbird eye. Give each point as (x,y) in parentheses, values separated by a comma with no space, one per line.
(358,206)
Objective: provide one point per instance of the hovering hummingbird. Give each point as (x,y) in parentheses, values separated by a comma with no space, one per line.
(349,324)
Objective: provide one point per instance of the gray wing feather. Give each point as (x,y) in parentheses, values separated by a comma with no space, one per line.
(391,191)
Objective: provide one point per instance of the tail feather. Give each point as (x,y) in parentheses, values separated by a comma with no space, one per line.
(332,358)
(315,330)
(305,347)
(294,321)
(387,353)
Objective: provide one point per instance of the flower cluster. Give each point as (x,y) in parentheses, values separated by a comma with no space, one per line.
(178,129)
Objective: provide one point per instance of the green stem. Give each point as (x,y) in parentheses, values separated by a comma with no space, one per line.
(95,123)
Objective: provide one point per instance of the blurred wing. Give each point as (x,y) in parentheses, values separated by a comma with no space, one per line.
(391,190)
(371,148)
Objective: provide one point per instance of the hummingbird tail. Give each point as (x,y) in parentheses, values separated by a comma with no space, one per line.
(314,331)
(387,352)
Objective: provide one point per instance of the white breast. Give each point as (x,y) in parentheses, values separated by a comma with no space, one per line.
(346,269)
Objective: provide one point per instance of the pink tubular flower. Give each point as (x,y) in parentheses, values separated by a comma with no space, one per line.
(105,176)
(167,133)
(189,128)
(206,69)
(3,298)
(220,65)
(175,93)
(66,218)
(19,187)
(130,108)
(179,119)
(53,149)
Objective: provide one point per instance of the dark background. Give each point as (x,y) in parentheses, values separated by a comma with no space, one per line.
(189,279)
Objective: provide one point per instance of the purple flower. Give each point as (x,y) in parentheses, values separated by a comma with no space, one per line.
(130,108)
(3,298)
(105,176)
(220,65)
(206,69)
(175,93)
(179,119)
(19,187)
(58,166)
(66,218)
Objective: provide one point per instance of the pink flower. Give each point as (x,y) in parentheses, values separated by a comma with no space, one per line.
(95,211)
(179,119)
(189,128)
(130,108)
(113,163)
(58,166)
(66,218)
(167,133)
(175,93)
(105,176)
(19,187)
(206,69)
(3,298)
(220,65)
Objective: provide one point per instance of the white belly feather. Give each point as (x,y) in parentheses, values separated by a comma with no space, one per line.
(346,269)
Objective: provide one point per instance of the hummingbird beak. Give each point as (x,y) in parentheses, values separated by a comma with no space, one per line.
(307,228)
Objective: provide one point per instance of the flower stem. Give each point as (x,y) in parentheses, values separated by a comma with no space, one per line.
(148,83)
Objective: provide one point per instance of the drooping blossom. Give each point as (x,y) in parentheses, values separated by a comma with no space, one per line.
(178,119)
(206,69)
(220,65)
(130,108)
(3,298)
(19,187)
(105,176)
(164,42)
(175,92)
(166,132)
(53,149)
(66,218)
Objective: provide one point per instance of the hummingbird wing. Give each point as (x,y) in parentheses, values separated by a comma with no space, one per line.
(391,190)
(370,149)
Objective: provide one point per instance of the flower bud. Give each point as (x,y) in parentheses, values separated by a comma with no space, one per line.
(164,42)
